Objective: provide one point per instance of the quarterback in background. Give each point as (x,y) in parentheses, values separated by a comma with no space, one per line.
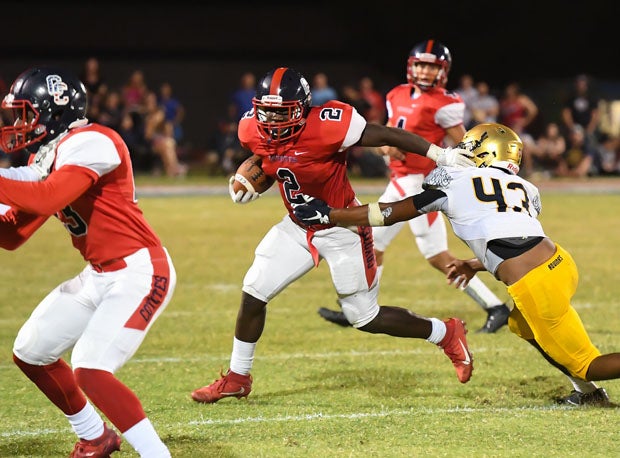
(424,106)
(304,149)
(495,212)
(82,176)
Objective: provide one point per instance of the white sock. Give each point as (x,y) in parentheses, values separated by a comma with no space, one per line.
(481,293)
(582,386)
(438,332)
(87,423)
(379,272)
(145,440)
(242,357)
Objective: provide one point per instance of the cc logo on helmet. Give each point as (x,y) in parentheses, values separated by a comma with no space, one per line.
(56,88)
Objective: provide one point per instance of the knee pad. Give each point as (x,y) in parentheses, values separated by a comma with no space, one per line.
(360,308)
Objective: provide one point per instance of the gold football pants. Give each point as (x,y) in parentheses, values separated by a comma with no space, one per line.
(543,312)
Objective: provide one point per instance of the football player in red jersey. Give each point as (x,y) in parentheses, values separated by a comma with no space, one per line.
(304,149)
(425,107)
(82,174)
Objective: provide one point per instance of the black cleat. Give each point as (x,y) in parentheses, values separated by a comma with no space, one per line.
(597,398)
(498,317)
(334,317)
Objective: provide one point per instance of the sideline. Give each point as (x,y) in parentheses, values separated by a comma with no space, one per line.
(596,185)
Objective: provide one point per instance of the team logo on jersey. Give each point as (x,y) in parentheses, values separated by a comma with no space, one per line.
(536,203)
(438,178)
(56,88)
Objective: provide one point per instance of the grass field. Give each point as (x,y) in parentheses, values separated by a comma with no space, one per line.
(321,390)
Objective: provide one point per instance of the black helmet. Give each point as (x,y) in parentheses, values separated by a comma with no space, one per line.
(281,104)
(42,103)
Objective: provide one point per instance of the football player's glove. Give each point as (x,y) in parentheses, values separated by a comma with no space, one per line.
(451,157)
(313,211)
(241,197)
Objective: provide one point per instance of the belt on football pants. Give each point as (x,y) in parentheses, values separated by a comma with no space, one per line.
(110,266)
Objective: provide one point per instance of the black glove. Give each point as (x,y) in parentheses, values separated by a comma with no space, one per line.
(314,211)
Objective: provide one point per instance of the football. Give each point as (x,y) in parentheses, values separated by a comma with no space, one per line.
(251,177)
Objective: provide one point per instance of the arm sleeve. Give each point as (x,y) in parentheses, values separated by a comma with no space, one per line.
(45,198)
(429,200)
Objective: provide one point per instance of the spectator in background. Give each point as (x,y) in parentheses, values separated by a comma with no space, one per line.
(354,98)
(159,133)
(174,111)
(484,106)
(134,92)
(241,98)
(550,146)
(112,111)
(529,151)
(96,87)
(579,158)
(376,112)
(516,109)
(581,109)
(607,157)
(131,129)
(230,153)
(468,93)
(321,90)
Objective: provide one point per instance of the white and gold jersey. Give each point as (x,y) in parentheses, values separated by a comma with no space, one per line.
(483,204)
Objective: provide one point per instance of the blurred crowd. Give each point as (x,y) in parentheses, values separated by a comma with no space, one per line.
(576,141)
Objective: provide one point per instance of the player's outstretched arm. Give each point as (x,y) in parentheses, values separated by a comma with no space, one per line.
(315,211)
(379,135)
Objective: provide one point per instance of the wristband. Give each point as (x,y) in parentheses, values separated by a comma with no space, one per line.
(375,217)
(434,152)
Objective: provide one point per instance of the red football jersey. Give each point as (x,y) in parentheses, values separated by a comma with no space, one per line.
(104,220)
(314,162)
(428,116)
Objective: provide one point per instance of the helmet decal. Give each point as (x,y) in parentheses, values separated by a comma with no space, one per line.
(56,88)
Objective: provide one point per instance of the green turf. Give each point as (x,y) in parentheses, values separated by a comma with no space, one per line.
(321,390)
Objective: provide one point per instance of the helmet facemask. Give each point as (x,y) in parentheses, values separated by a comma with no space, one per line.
(281,104)
(279,120)
(23,127)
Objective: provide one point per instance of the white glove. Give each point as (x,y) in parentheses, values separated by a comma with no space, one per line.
(451,157)
(242,197)
(44,159)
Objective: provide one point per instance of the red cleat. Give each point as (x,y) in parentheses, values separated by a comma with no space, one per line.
(454,345)
(101,447)
(231,384)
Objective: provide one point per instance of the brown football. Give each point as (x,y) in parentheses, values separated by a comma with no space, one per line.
(251,174)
